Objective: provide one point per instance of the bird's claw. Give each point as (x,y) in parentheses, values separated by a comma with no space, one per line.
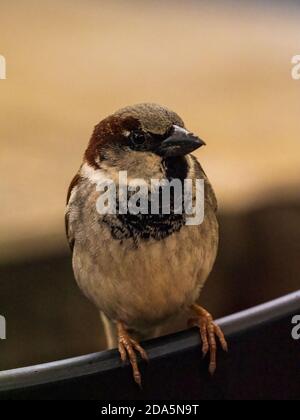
(127,349)
(208,332)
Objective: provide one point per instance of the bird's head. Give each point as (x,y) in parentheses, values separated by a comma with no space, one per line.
(139,138)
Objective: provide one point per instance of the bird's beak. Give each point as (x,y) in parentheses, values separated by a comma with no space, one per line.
(179,143)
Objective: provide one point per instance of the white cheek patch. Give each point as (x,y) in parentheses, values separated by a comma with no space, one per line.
(95,176)
(100,176)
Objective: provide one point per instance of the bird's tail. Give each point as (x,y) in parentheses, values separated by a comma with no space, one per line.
(110,332)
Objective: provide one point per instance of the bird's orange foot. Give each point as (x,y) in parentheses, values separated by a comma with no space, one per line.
(208,331)
(128,348)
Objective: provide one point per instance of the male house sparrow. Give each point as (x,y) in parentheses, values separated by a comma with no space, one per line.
(142,270)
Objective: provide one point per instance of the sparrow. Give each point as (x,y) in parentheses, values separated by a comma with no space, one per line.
(142,270)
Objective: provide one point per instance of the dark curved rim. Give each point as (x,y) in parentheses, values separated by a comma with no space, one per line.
(162,347)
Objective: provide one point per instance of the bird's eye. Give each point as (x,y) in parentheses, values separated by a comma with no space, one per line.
(137,138)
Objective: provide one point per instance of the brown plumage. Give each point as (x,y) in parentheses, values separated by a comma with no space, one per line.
(141,271)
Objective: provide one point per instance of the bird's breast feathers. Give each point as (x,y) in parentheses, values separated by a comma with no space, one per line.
(140,269)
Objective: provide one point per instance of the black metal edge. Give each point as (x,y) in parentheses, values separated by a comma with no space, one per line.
(161,347)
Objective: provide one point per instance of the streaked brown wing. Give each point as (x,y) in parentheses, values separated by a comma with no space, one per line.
(70,237)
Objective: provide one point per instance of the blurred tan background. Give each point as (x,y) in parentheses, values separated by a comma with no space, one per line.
(224,66)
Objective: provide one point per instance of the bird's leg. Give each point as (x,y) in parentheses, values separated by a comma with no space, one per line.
(127,348)
(208,331)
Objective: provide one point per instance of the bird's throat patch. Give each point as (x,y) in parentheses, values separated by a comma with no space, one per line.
(142,227)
